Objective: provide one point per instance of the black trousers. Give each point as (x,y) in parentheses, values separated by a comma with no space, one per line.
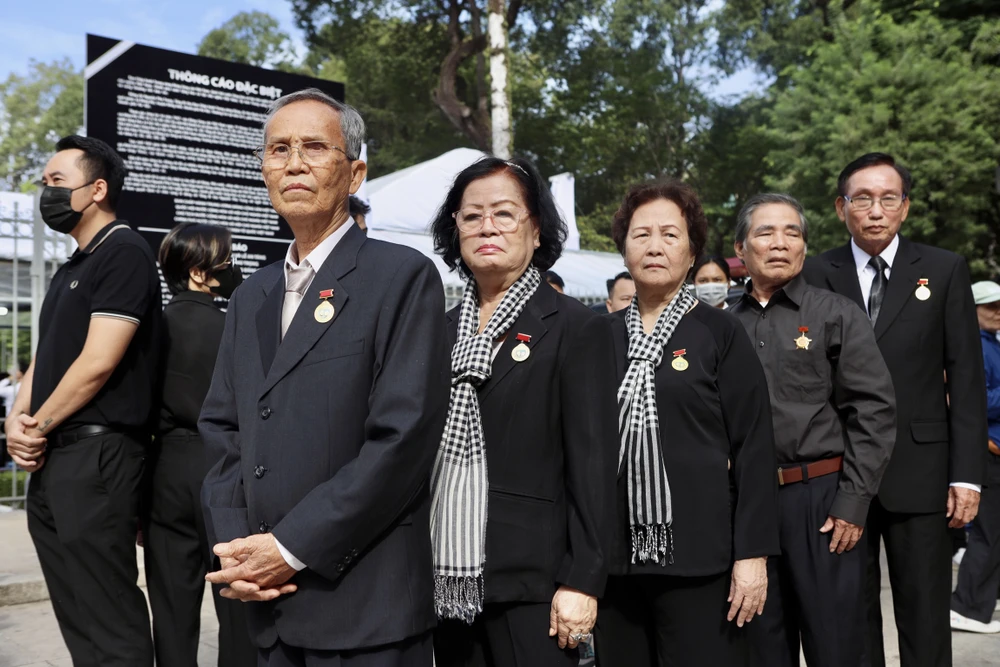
(83,512)
(918,552)
(177,556)
(811,593)
(413,652)
(979,574)
(664,621)
(504,635)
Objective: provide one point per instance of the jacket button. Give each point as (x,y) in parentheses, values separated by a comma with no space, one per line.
(264,527)
(259,471)
(265,412)
(340,568)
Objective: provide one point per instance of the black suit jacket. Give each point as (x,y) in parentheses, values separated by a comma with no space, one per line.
(327,438)
(920,342)
(551,445)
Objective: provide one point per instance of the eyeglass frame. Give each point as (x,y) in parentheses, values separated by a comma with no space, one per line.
(258,152)
(852,200)
(488,213)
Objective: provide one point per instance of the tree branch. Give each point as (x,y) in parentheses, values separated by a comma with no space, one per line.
(474,125)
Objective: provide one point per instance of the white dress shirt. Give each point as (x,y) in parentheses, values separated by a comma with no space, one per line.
(866,276)
(313,260)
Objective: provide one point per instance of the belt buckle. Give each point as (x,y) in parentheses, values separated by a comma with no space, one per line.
(781,478)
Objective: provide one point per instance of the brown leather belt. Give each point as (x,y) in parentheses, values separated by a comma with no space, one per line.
(807,471)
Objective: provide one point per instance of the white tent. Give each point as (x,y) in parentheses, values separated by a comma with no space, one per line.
(403,204)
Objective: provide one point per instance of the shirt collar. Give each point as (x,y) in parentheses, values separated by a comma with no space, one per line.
(861,258)
(792,290)
(319,254)
(99,237)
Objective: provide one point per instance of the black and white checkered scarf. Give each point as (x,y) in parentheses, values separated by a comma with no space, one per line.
(458,482)
(649,507)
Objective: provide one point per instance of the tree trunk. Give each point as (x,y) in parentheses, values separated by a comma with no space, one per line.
(502,135)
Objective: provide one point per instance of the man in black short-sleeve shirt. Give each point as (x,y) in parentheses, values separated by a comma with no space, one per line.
(81,420)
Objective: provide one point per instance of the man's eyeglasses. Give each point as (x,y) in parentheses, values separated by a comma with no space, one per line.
(505,218)
(313,153)
(864,202)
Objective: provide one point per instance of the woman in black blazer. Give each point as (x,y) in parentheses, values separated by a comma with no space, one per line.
(524,479)
(697,485)
(197,267)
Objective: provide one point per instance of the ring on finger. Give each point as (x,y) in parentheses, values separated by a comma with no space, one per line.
(582,637)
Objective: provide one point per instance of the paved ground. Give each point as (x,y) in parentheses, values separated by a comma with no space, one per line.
(29,636)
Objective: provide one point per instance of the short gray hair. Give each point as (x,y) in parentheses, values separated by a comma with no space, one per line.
(352,126)
(746,213)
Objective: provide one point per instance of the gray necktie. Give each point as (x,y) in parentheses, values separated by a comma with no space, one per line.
(877,294)
(297,282)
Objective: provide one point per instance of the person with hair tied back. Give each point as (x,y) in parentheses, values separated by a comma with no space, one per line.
(711,281)
(197,265)
(697,492)
(81,421)
(524,473)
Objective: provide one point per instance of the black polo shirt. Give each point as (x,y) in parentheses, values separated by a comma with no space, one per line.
(114,276)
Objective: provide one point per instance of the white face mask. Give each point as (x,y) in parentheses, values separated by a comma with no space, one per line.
(712,293)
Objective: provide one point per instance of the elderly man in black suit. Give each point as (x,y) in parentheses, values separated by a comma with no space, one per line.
(324,416)
(919,300)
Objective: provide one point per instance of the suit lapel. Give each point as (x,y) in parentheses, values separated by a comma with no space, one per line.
(902,283)
(269,318)
(843,276)
(541,304)
(304,331)
(620,336)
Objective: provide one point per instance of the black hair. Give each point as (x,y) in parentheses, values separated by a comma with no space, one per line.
(99,162)
(23,366)
(873,160)
(553,278)
(711,259)
(190,245)
(355,206)
(624,275)
(551,228)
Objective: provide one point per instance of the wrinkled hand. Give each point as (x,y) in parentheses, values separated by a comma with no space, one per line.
(748,590)
(27,451)
(572,613)
(253,569)
(963,506)
(845,534)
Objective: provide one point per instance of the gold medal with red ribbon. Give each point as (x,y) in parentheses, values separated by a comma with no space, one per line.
(324,311)
(679,363)
(923,291)
(521,351)
(802,342)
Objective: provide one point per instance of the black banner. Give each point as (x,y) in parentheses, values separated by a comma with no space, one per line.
(186,127)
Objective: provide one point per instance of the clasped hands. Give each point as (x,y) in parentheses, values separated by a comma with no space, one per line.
(253,570)
(25,443)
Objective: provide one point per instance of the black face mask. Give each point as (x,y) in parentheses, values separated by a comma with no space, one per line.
(56,209)
(229,279)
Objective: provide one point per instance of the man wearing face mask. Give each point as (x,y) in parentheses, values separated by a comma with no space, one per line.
(81,419)
(834,415)
(198,267)
(711,281)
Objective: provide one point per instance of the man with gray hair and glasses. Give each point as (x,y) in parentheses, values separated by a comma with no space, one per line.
(324,416)
(834,415)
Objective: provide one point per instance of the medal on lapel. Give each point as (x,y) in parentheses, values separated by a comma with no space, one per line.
(324,311)
(923,292)
(521,351)
(679,363)
(802,342)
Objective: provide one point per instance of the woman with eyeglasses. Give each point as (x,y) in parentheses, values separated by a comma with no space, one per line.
(197,265)
(522,487)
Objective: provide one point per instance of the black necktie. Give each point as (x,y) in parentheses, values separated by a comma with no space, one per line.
(878,287)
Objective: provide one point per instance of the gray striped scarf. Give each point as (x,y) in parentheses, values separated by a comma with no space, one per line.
(459,484)
(649,508)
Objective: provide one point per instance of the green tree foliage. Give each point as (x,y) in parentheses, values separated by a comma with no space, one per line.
(36,110)
(910,89)
(252,38)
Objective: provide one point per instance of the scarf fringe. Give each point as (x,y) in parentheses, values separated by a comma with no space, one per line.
(459,598)
(653,544)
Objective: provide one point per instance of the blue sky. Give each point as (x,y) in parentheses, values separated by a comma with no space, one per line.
(56,29)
